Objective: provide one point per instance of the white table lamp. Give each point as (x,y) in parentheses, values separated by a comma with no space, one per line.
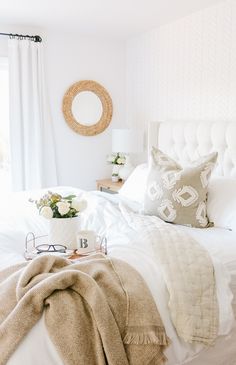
(126,141)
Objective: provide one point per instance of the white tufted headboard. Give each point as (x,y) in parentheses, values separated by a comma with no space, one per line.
(186,141)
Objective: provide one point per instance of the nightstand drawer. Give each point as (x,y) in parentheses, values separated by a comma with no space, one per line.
(108,186)
(107,190)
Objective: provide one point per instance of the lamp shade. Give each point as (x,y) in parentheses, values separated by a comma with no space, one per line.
(127,141)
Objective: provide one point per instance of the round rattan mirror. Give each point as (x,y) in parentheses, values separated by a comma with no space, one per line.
(91,102)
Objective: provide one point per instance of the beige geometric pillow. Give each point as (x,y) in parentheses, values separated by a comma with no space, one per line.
(176,194)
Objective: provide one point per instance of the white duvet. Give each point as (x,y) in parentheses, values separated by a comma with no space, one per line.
(104,215)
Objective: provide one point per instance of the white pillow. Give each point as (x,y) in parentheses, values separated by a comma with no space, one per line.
(221,202)
(135,186)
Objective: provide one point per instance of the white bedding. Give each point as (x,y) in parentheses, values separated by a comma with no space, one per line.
(104,216)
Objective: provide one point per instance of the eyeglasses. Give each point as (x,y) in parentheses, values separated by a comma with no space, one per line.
(51,248)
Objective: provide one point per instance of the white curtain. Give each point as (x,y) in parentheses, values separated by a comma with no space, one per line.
(33,162)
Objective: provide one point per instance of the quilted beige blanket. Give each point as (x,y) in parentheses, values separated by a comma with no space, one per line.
(98,311)
(189,275)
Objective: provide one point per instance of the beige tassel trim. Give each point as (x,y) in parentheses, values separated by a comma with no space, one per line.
(146,335)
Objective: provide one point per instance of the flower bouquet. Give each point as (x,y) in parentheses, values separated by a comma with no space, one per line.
(62,213)
(116,159)
(53,205)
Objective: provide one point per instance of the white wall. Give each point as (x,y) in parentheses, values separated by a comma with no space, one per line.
(70,58)
(184,70)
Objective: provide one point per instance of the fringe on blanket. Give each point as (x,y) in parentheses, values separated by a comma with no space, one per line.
(144,336)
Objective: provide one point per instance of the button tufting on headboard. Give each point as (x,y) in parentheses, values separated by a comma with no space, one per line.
(186,141)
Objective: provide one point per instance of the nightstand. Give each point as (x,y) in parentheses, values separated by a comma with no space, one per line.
(109,186)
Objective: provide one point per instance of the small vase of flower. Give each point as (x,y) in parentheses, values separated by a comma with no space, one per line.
(63,215)
(117,160)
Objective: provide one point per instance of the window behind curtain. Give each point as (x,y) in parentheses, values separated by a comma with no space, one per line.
(5,180)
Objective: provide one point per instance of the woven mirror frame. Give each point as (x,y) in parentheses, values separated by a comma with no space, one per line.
(102,94)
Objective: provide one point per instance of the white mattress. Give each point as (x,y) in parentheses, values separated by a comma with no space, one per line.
(105,217)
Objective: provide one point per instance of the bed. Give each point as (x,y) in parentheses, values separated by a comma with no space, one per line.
(109,215)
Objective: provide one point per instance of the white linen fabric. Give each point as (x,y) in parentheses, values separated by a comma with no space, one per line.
(107,216)
(221,202)
(134,187)
(31,138)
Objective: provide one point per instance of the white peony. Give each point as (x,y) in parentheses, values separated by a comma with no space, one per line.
(123,160)
(78,205)
(63,207)
(46,212)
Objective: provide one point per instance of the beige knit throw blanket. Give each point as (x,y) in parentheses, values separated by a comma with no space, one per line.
(97,311)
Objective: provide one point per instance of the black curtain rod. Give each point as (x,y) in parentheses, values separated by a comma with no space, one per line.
(35,38)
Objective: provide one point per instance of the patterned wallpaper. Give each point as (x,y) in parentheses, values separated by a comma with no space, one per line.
(185,70)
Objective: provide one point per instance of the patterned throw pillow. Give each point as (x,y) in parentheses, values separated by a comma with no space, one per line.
(176,194)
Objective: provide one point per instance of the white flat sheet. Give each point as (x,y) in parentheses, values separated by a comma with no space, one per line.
(104,216)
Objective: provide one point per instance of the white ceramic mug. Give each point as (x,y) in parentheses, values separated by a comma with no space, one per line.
(87,241)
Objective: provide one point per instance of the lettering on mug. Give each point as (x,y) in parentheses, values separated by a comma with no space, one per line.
(83,242)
